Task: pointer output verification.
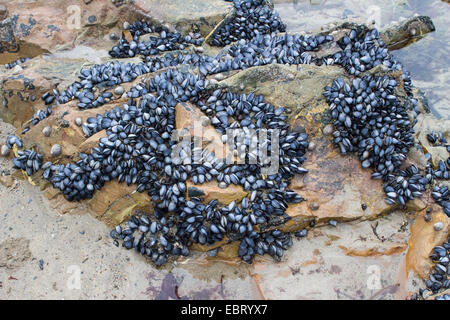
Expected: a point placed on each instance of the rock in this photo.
(328, 129)
(211, 190)
(222, 185)
(119, 90)
(17, 69)
(423, 239)
(438, 226)
(47, 131)
(40, 27)
(395, 35)
(199, 49)
(205, 121)
(114, 36)
(314, 206)
(56, 150)
(426, 123)
(7, 181)
(335, 184)
(4, 151)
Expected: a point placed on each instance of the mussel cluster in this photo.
(28, 160)
(272, 242)
(162, 40)
(16, 62)
(139, 147)
(439, 278)
(267, 49)
(371, 121)
(440, 193)
(363, 50)
(138, 150)
(251, 18)
(437, 139)
(110, 74)
(38, 117)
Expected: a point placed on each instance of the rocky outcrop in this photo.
(326, 187)
(35, 27)
(331, 177)
(335, 188)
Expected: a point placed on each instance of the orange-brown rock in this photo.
(46, 26)
(423, 239)
(7, 181)
(189, 117)
(210, 191)
(64, 132)
(116, 202)
(329, 182)
(227, 250)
